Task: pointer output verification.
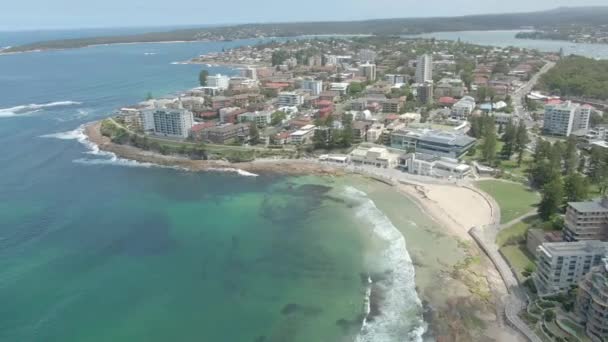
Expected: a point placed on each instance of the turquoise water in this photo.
(96, 248)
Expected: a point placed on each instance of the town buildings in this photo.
(463, 108)
(260, 119)
(169, 122)
(372, 155)
(367, 55)
(368, 71)
(224, 134)
(437, 143)
(592, 302)
(303, 135)
(560, 265)
(290, 99)
(425, 92)
(432, 166)
(314, 87)
(561, 118)
(586, 220)
(424, 69)
(218, 81)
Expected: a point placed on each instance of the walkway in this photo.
(519, 219)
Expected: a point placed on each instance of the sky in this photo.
(57, 14)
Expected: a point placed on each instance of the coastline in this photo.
(473, 282)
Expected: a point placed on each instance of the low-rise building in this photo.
(376, 156)
(560, 265)
(260, 119)
(193, 103)
(464, 107)
(341, 88)
(218, 81)
(303, 135)
(290, 99)
(432, 166)
(225, 133)
(437, 143)
(592, 302)
(313, 86)
(586, 220)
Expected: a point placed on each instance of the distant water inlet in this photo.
(393, 309)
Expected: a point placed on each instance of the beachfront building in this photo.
(424, 69)
(260, 119)
(313, 86)
(592, 302)
(303, 135)
(432, 166)
(437, 143)
(290, 99)
(463, 108)
(586, 220)
(193, 103)
(218, 81)
(368, 70)
(224, 134)
(562, 118)
(375, 156)
(560, 265)
(174, 123)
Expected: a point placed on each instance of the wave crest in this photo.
(401, 310)
(33, 108)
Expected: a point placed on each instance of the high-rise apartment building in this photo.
(424, 69)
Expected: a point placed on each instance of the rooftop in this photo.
(590, 246)
(590, 206)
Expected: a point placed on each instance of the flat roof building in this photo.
(592, 302)
(437, 143)
(169, 122)
(586, 220)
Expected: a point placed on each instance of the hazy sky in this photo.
(32, 14)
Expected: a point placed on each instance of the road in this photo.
(522, 91)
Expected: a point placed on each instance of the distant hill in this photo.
(511, 21)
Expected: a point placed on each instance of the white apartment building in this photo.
(218, 81)
(168, 122)
(302, 135)
(394, 79)
(464, 107)
(376, 156)
(563, 118)
(315, 87)
(424, 69)
(261, 119)
(367, 55)
(429, 165)
(561, 265)
(290, 99)
(586, 220)
(592, 302)
(368, 71)
(193, 103)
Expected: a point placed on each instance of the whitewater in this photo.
(27, 109)
(401, 310)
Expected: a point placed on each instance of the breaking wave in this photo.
(400, 310)
(237, 171)
(33, 108)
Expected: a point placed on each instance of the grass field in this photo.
(518, 258)
(514, 199)
(517, 232)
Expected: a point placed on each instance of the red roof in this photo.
(447, 100)
(201, 126)
(208, 114)
(276, 85)
(392, 117)
(324, 103)
(553, 101)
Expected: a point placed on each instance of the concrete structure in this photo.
(433, 166)
(261, 119)
(366, 55)
(449, 87)
(536, 237)
(376, 156)
(302, 135)
(218, 81)
(250, 73)
(193, 103)
(368, 71)
(290, 99)
(374, 133)
(169, 122)
(592, 302)
(228, 114)
(341, 88)
(424, 69)
(586, 220)
(437, 143)
(425, 92)
(226, 133)
(395, 79)
(463, 108)
(502, 118)
(561, 118)
(560, 265)
(313, 86)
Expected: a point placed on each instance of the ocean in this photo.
(97, 248)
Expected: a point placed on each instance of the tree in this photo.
(202, 77)
(277, 117)
(488, 150)
(521, 140)
(509, 138)
(279, 57)
(576, 187)
(552, 199)
(570, 156)
(355, 88)
(254, 134)
(149, 96)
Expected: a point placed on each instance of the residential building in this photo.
(229, 114)
(250, 73)
(368, 71)
(193, 103)
(463, 108)
(367, 55)
(302, 135)
(219, 81)
(395, 79)
(586, 220)
(329, 95)
(502, 118)
(437, 143)
(449, 87)
(424, 69)
(169, 122)
(561, 118)
(433, 166)
(376, 156)
(290, 99)
(261, 119)
(560, 265)
(341, 88)
(225, 133)
(374, 133)
(592, 302)
(313, 86)
(391, 105)
(425, 92)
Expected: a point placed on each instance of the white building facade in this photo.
(424, 69)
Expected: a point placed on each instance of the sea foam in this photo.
(400, 317)
(33, 108)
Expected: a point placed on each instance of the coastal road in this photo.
(522, 91)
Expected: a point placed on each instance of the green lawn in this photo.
(517, 231)
(518, 258)
(514, 199)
